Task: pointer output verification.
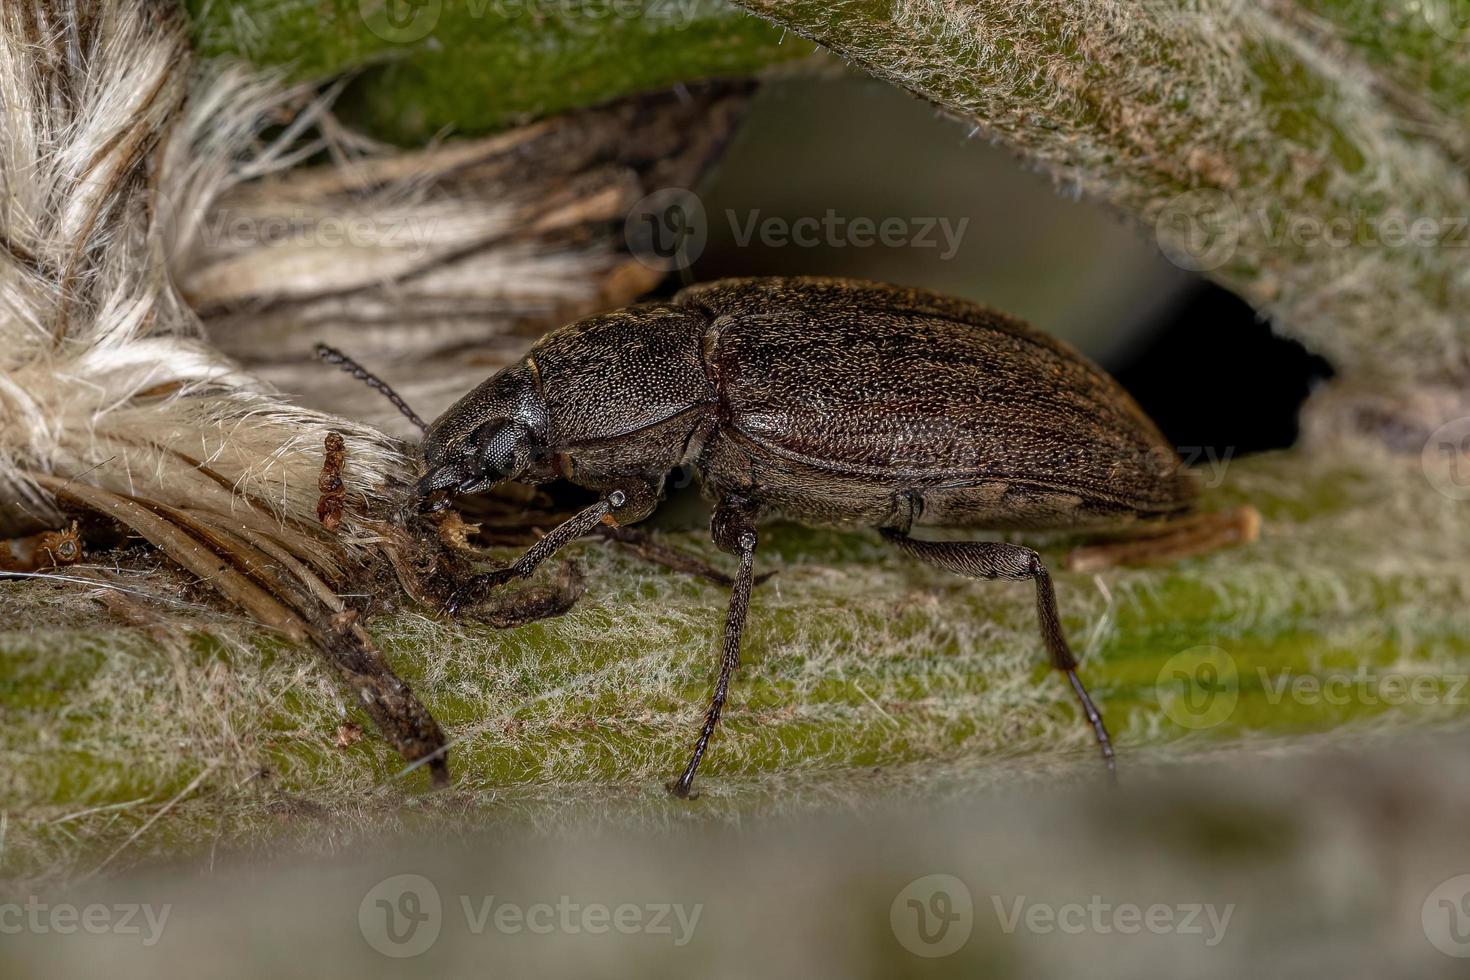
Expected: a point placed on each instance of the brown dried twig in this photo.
(642, 544)
(283, 596)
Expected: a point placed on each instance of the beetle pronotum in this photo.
(828, 401)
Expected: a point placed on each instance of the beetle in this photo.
(828, 401)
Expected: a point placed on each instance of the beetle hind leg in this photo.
(999, 560)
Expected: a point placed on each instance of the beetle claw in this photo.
(432, 505)
(474, 590)
(681, 789)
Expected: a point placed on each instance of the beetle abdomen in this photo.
(926, 391)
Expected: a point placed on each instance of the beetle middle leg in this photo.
(998, 560)
(733, 530)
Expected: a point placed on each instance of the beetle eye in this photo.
(483, 433)
(502, 448)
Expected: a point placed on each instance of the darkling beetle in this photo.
(827, 401)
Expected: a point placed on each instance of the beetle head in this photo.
(487, 437)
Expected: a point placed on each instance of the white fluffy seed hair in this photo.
(105, 376)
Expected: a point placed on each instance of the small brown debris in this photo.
(348, 734)
(455, 532)
(329, 504)
(38, 552)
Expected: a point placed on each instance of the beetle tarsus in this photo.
(473, 591)
(1099, 727)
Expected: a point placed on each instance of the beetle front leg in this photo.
(733, 530)
(998, 560)
(628, 505)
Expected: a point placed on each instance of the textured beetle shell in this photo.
(843, 401)
(832, 401)
(613, 374)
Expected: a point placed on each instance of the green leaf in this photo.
(1348, 616)
(477, 65)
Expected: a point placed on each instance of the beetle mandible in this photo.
(826, 401)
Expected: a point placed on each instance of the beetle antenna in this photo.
(333, 356)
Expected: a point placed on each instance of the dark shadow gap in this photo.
(1214, 375)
